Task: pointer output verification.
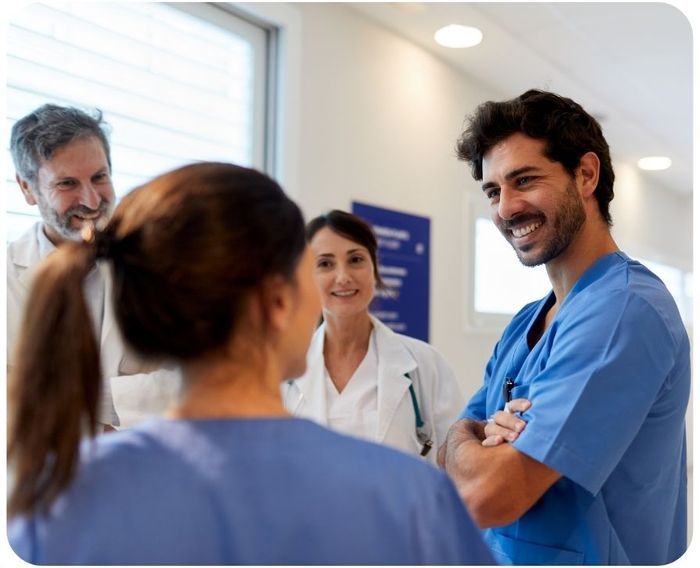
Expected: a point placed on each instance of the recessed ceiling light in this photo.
(456, 36)
(654, 163)
(410, 6)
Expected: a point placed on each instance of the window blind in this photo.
(177, 83)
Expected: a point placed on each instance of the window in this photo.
(498, 285)
(501, 285)
(679, 284)
(177, 83)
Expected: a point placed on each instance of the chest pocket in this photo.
(409, 428)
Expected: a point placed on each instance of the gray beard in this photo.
(61, 223)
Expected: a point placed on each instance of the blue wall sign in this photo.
(404, 265)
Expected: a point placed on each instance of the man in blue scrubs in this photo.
(587, 462)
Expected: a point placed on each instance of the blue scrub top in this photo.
(609, 382)
(250, 491)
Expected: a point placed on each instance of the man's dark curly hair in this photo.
(568, 131)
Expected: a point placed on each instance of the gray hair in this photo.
(36, 137)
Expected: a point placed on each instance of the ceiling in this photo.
(628, 64)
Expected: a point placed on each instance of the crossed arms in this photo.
(497, 483)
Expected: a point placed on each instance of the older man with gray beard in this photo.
(63, 166)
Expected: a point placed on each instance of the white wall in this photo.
(650, 222)
(377, 121)
(380, 119)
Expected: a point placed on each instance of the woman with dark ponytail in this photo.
(210, 272)
(47, 412)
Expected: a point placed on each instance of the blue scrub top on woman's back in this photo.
(609, 383)
(250, 491)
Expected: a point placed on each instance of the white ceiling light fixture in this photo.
(410, 6)
(458, 36)
(654, 163)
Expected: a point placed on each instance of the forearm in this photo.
(463, 460)
(497, 484)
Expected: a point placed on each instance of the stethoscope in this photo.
(423, 433)
(422, 429)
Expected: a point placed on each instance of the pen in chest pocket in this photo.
(508, 386)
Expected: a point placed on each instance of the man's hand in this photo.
(505, 425)
(460, 432)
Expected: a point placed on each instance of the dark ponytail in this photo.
(54, 387)
(185, 250)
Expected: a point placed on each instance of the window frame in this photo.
(475, 207)
(263, 37)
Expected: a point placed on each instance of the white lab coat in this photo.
(439, 397)
(132, 389)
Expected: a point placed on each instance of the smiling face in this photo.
(344, 273)
(535, 203)
(73, 188)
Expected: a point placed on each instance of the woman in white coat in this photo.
(362, 378)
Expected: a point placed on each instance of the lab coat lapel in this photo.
(110, 339)
(25, 275)
(312, 385)
(394, 360)
(25, 255)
